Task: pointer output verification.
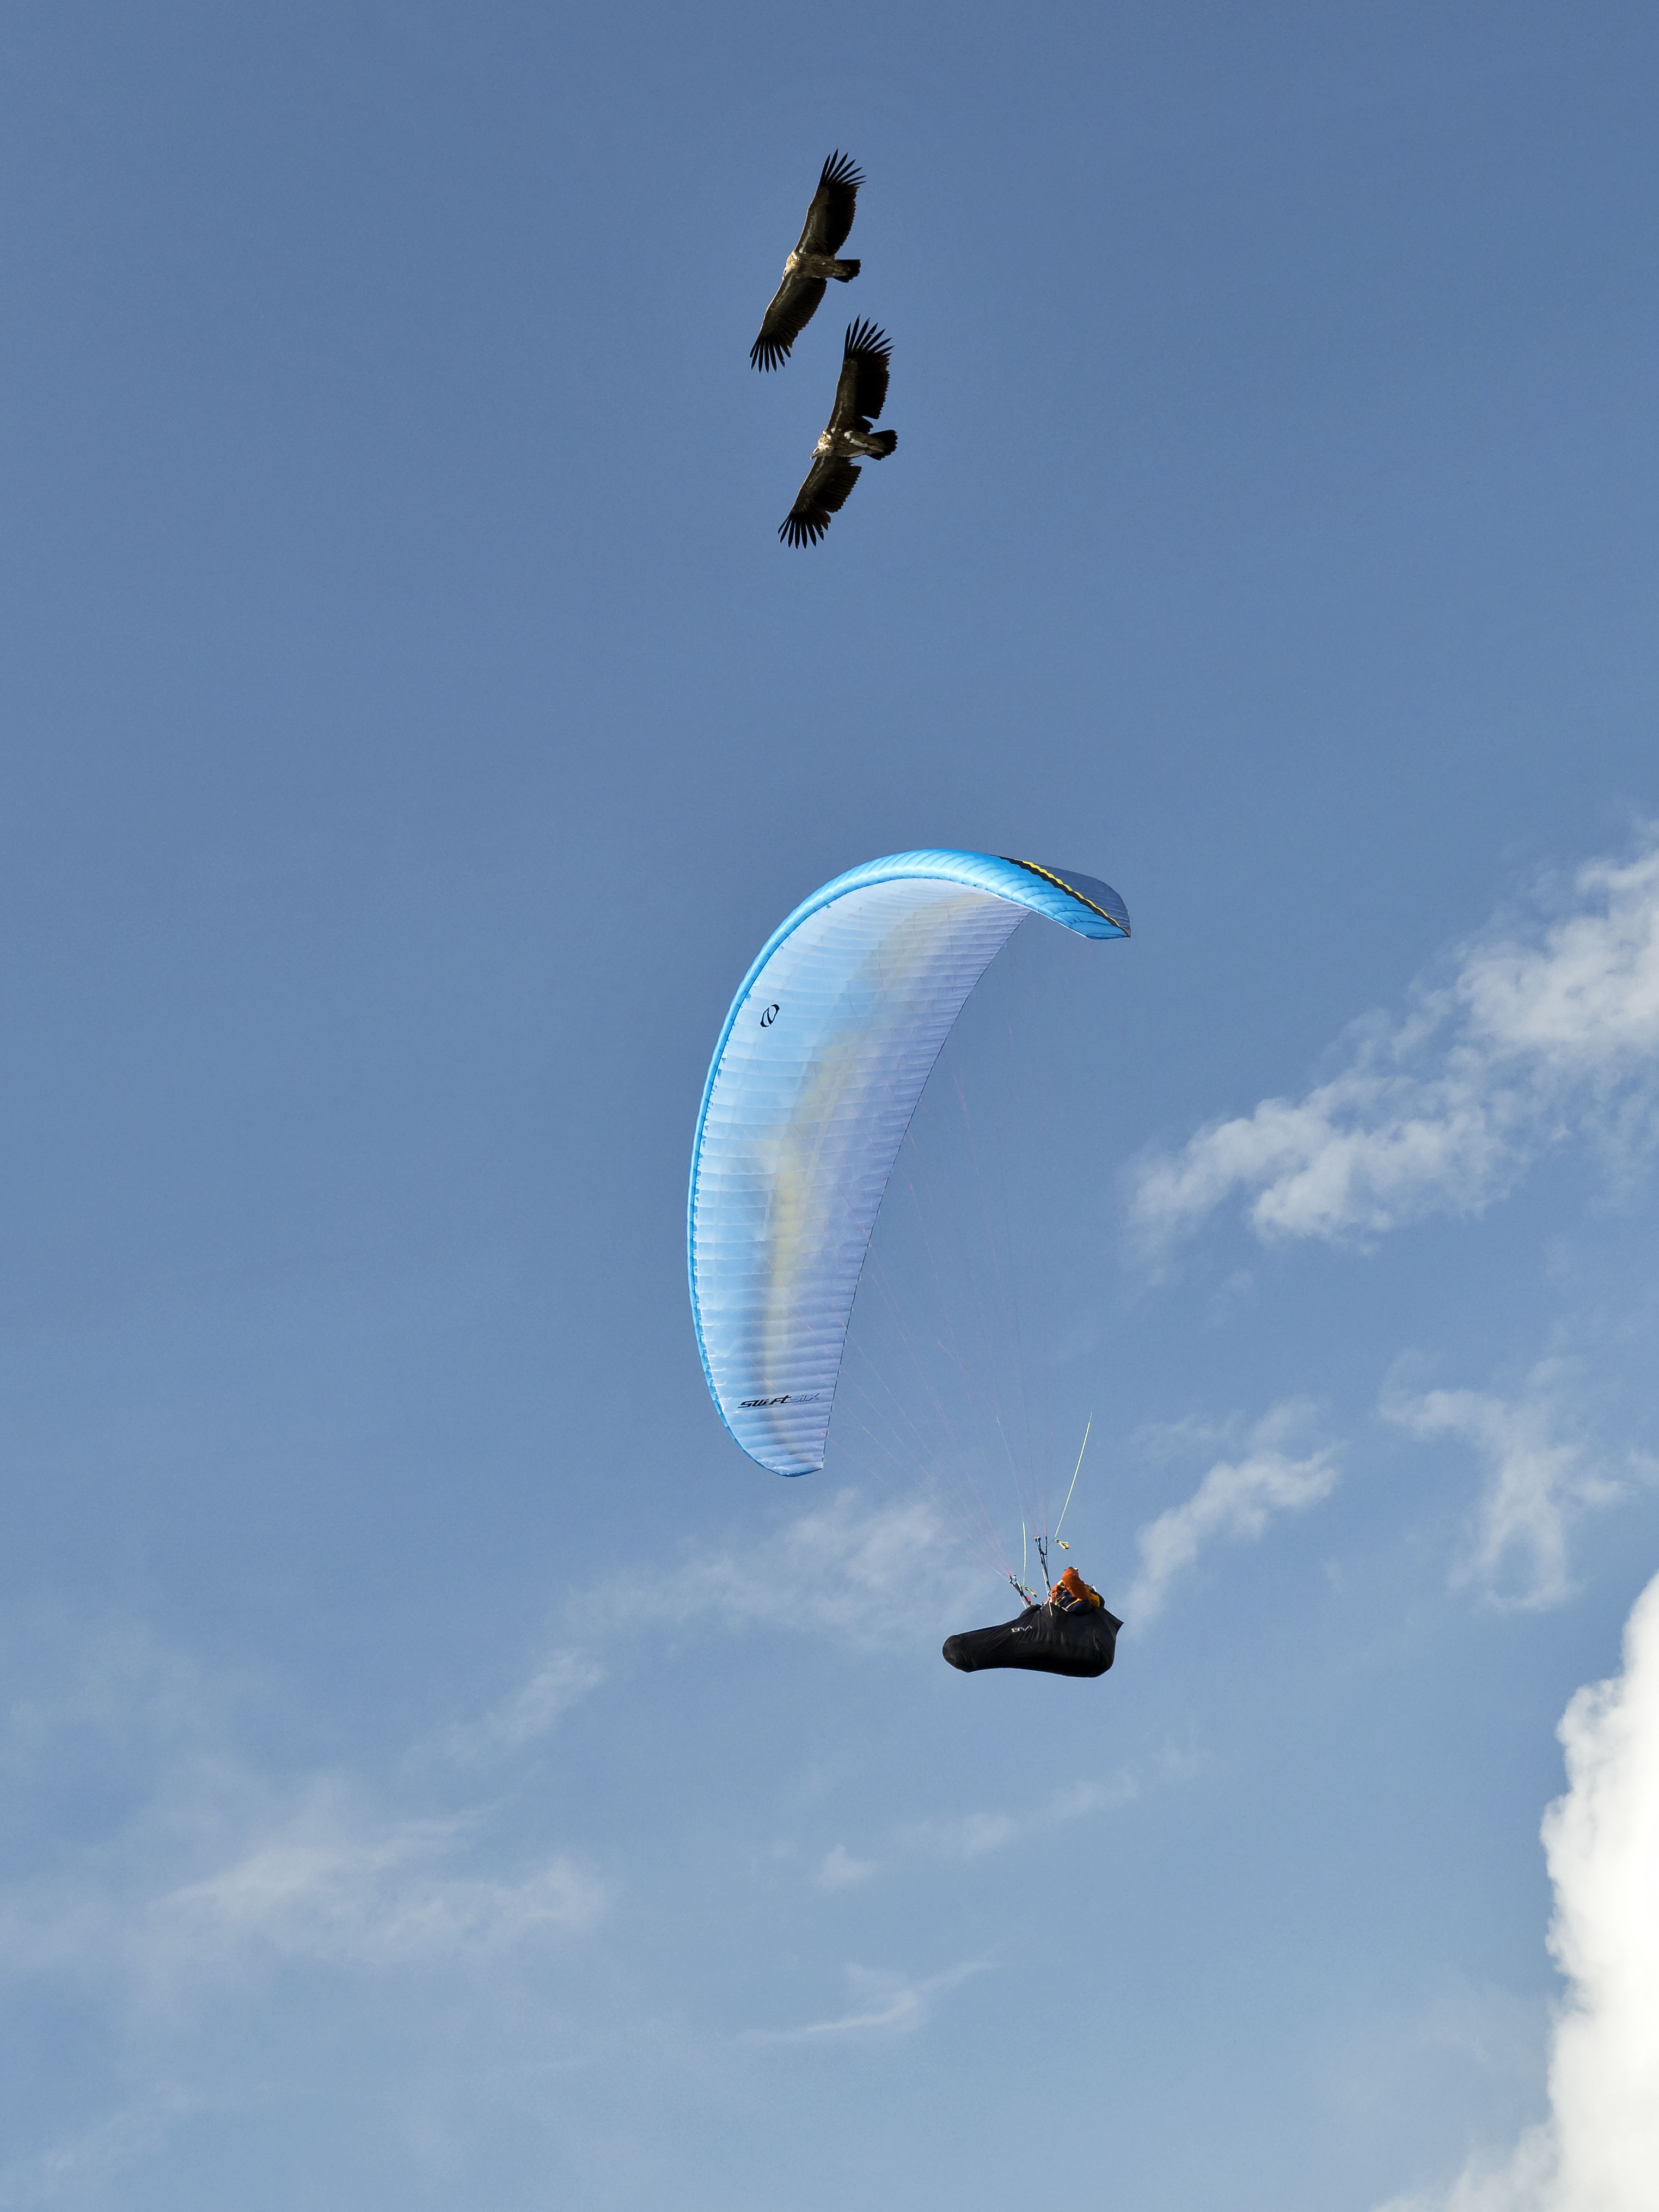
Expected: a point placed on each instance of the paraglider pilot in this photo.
(1071, 1593)
(1070, 1632)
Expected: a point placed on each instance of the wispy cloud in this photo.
(1545, 1030)
(962, 1837)
(965, 1835)
(843, 1568)
(328, 1883)
(78, 2166)
(1540, 1479)
(1598, 2151)
(214, 1864)
(841, 1870)
(1282, 1469)
(561, 1679)
(883, 2004)
(206, 1860)
(327, 1880)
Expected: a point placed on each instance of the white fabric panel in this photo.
(805, 1113)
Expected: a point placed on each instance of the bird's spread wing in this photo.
(827, 482)
(862, 393)
(834, 203)
(794, 306)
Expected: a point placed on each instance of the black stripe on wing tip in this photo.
(841, 169)
(1035, 868)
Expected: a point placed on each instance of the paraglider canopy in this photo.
(817, 1073)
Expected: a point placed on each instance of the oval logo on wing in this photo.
(768, 1017)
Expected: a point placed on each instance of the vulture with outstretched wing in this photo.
(812, 263)
(861, 395)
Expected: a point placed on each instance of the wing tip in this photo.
(802, 529)
(841, 169)
(867, 338)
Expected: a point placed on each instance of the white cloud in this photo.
(1602, 1841)
(965, 1836)
(843, 1567)
(883, 2003)
(326, 1884)
(328, 1881)
(1542, 1033)
(204, 1861)
(1236, 1499)
(841, 1870)
(962, 1838)
(1538, 1481)
(1598, 2150)
(213, 1863)
(560, 1681)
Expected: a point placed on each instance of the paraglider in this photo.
(1043, 1640)
(1069, 1632)
(815, 1078)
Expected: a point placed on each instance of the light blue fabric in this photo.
(817, 1073)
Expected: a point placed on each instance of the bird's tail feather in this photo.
(882, 443)
(844, 271)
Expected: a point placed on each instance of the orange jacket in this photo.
(1070, 1592)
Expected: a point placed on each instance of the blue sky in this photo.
(438, 1770)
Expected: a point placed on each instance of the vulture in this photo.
(812, 263)
(860, 394)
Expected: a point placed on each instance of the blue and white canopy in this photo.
(815, 1079)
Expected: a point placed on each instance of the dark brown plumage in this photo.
(813, 262)
(861, 395)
